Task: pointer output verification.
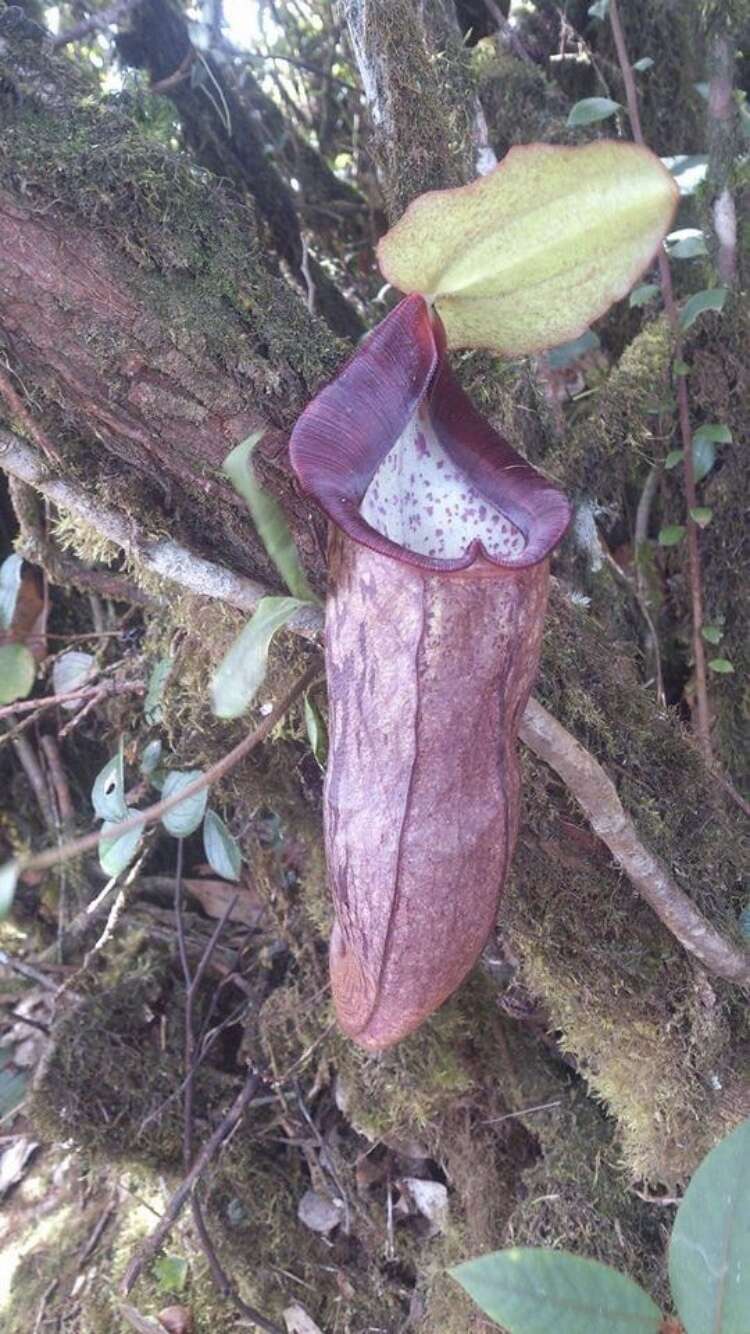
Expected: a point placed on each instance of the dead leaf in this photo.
(297, 1321)
(176, 1319)
(319, 1213)
(29, 624)
(214, 896)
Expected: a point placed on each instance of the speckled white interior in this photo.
(418, 499)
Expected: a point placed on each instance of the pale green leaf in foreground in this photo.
(17, 672)
(531, 1291)
(709, 1253)
(8, 881)
(221, 847)
(643, 294)
(187, 815)
(527, 256)
(10, 582)
(268, 517)
(712, 298)
(70, 672)
(116, 851)
(108, 792)
(591, 109)
(242, 671)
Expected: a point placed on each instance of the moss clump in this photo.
(521, 104)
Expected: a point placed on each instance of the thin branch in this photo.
(97, 22)
(68, 851)
(703, 721)
(17, 408)
(597, 796)
(723, 128)
(165, 558)
(29, 762)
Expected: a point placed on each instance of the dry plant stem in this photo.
(165, 558)
(596, 794)
(30, 764)
(20, 412)
(703, 721)
(53, 856)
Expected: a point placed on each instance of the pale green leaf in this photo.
(722, 666)
(157, 682)
(171, 1272)
(591, 109)
(108, 792)
(674, 457)
(701, 515)
(671, 535)
(687, 243)
(9, 872)
(640, 296)
(533, 1291)
(689, 171)
(10, 582)
(242, 670)
(599, 9)
(643, 64)
(187, 815)
(744, 922)
(150, 757)
(566, 354)
(713, 634)
(712, 298)
(680, 367)
(557, 234)
(709, 1253)
(70, 671)
(116, 851)
(704, 456)
(221, 847)
(17, 672)
(716, 431)
(13, 1085)
(268, 517)
(316, 731)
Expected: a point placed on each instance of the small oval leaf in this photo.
(591, 109)
(116, 851)
(150, 757)
(709, 1253)
(674, 457)
(10, 582)
(712, 634)
(671, 535)
(221, 847)
(532, 1291)
(108, 792)
(711, 299)
(17, 672)
(9, 872)
(316, 731)
(704, 457)
(701, 515)
(722, 666)
(242, 670)
(687, 243)
(640, 296)
(71, 670)
(185, 817)
(643, 64)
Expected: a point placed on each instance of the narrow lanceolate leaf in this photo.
(533, 1291)
(70, 671)
(221, 847)
(242, 671)
(268, 517)
(709, 1254)
(10, 582)
(108, 792)
(185, 817)
(116, 851)
(17, 672)
(591, 109)
(527, 256)
(8, 881)
(712, 298)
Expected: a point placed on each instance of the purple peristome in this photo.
(438, 576)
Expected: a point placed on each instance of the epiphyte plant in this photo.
(440, 538)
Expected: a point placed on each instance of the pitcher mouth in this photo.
(396, 455)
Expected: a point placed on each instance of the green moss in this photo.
(521, 104)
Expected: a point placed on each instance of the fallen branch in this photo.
(597, 796)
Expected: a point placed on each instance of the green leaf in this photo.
(599, 9)
(687, 243)
(680, 367)
(704, 458)
(640, 296)
(12, 1085)
(242, 670)
(671, 535)
(689, 171)
(709, 1253)
(533, 1291)
(565, 354)
(222, 849)
(10, 582)
(108, 792)
(716, 431)
(268, 517)
(316, 732)
(643, 64)
(713, 634)
(171, 1272)
(70, 671)
(185, 817)
(702, 516)
(721, 665)
(557, 235)
(150, 757)
(591, 109)
(17, 672)
(116, 851)
(712, 298)
(157, 682)
(9, 872)
(674, 457)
